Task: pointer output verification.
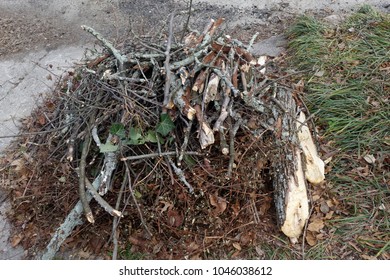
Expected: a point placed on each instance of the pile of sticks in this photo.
(210, 86)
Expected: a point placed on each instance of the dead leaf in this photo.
(167, 206)
(316, 197)
(236, 208)
(41, 119)
(311, 239)
(15, 240)
(370, 159)
(196, 257)
(84, 255)
(265, 206)
(252, 123)
(316, 225)
(367, 257)
(237, 246)
(247, 237)
(329, 215)
(324, 208)
(299, 86)
(236, 254)
(206, 135)
(319, 73)
(174, 218)
(192, 247)
(19, 164)
(219, 203)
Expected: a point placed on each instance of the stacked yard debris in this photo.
(184, 144)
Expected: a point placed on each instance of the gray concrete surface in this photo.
(24, 80)
(297, 5)
(23, 76)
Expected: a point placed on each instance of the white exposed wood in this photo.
(211, 92)
(297, 207)
(314, 166)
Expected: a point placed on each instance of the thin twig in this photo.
(236, 92)
(187, 21)
(135, 200)
(232, 135)
(104, 204)
(121, 58)
(115, 222)
(82, 194)
(280, 78)
(180, 174)
(34, 133)
(167, 86)
(252, 40)
(185, 142)
(158, 155)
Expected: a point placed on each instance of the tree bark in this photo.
(290, 189)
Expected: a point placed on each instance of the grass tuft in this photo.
(348, 86)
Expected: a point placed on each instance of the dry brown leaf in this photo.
(316, 225)
(299, 86)
(196, 257)
(320, 236)
(192, 247)
(367, 257)
(41, 119)
(236, 208)
(329, 215)
(15, 240)
(237, 246)
(316, 197)
(219, 203)
(19, 164)
(265, 205)
(167, 206)
(236, 254)
(174, 218)
(247, 237)
(311, 239)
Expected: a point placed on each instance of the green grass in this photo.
(348, 87)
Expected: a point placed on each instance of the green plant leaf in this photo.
(107, 148)
(166, 125)
(118, 129)
(135, 136)
(151, 136)
(135, 133)
(137, 194)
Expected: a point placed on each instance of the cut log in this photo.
(290, 191)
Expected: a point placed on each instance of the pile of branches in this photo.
(170, 106)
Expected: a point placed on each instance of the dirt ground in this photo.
(47, 26)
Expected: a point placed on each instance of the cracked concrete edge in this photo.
(23, 81)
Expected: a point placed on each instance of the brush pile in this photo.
(172, 137)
